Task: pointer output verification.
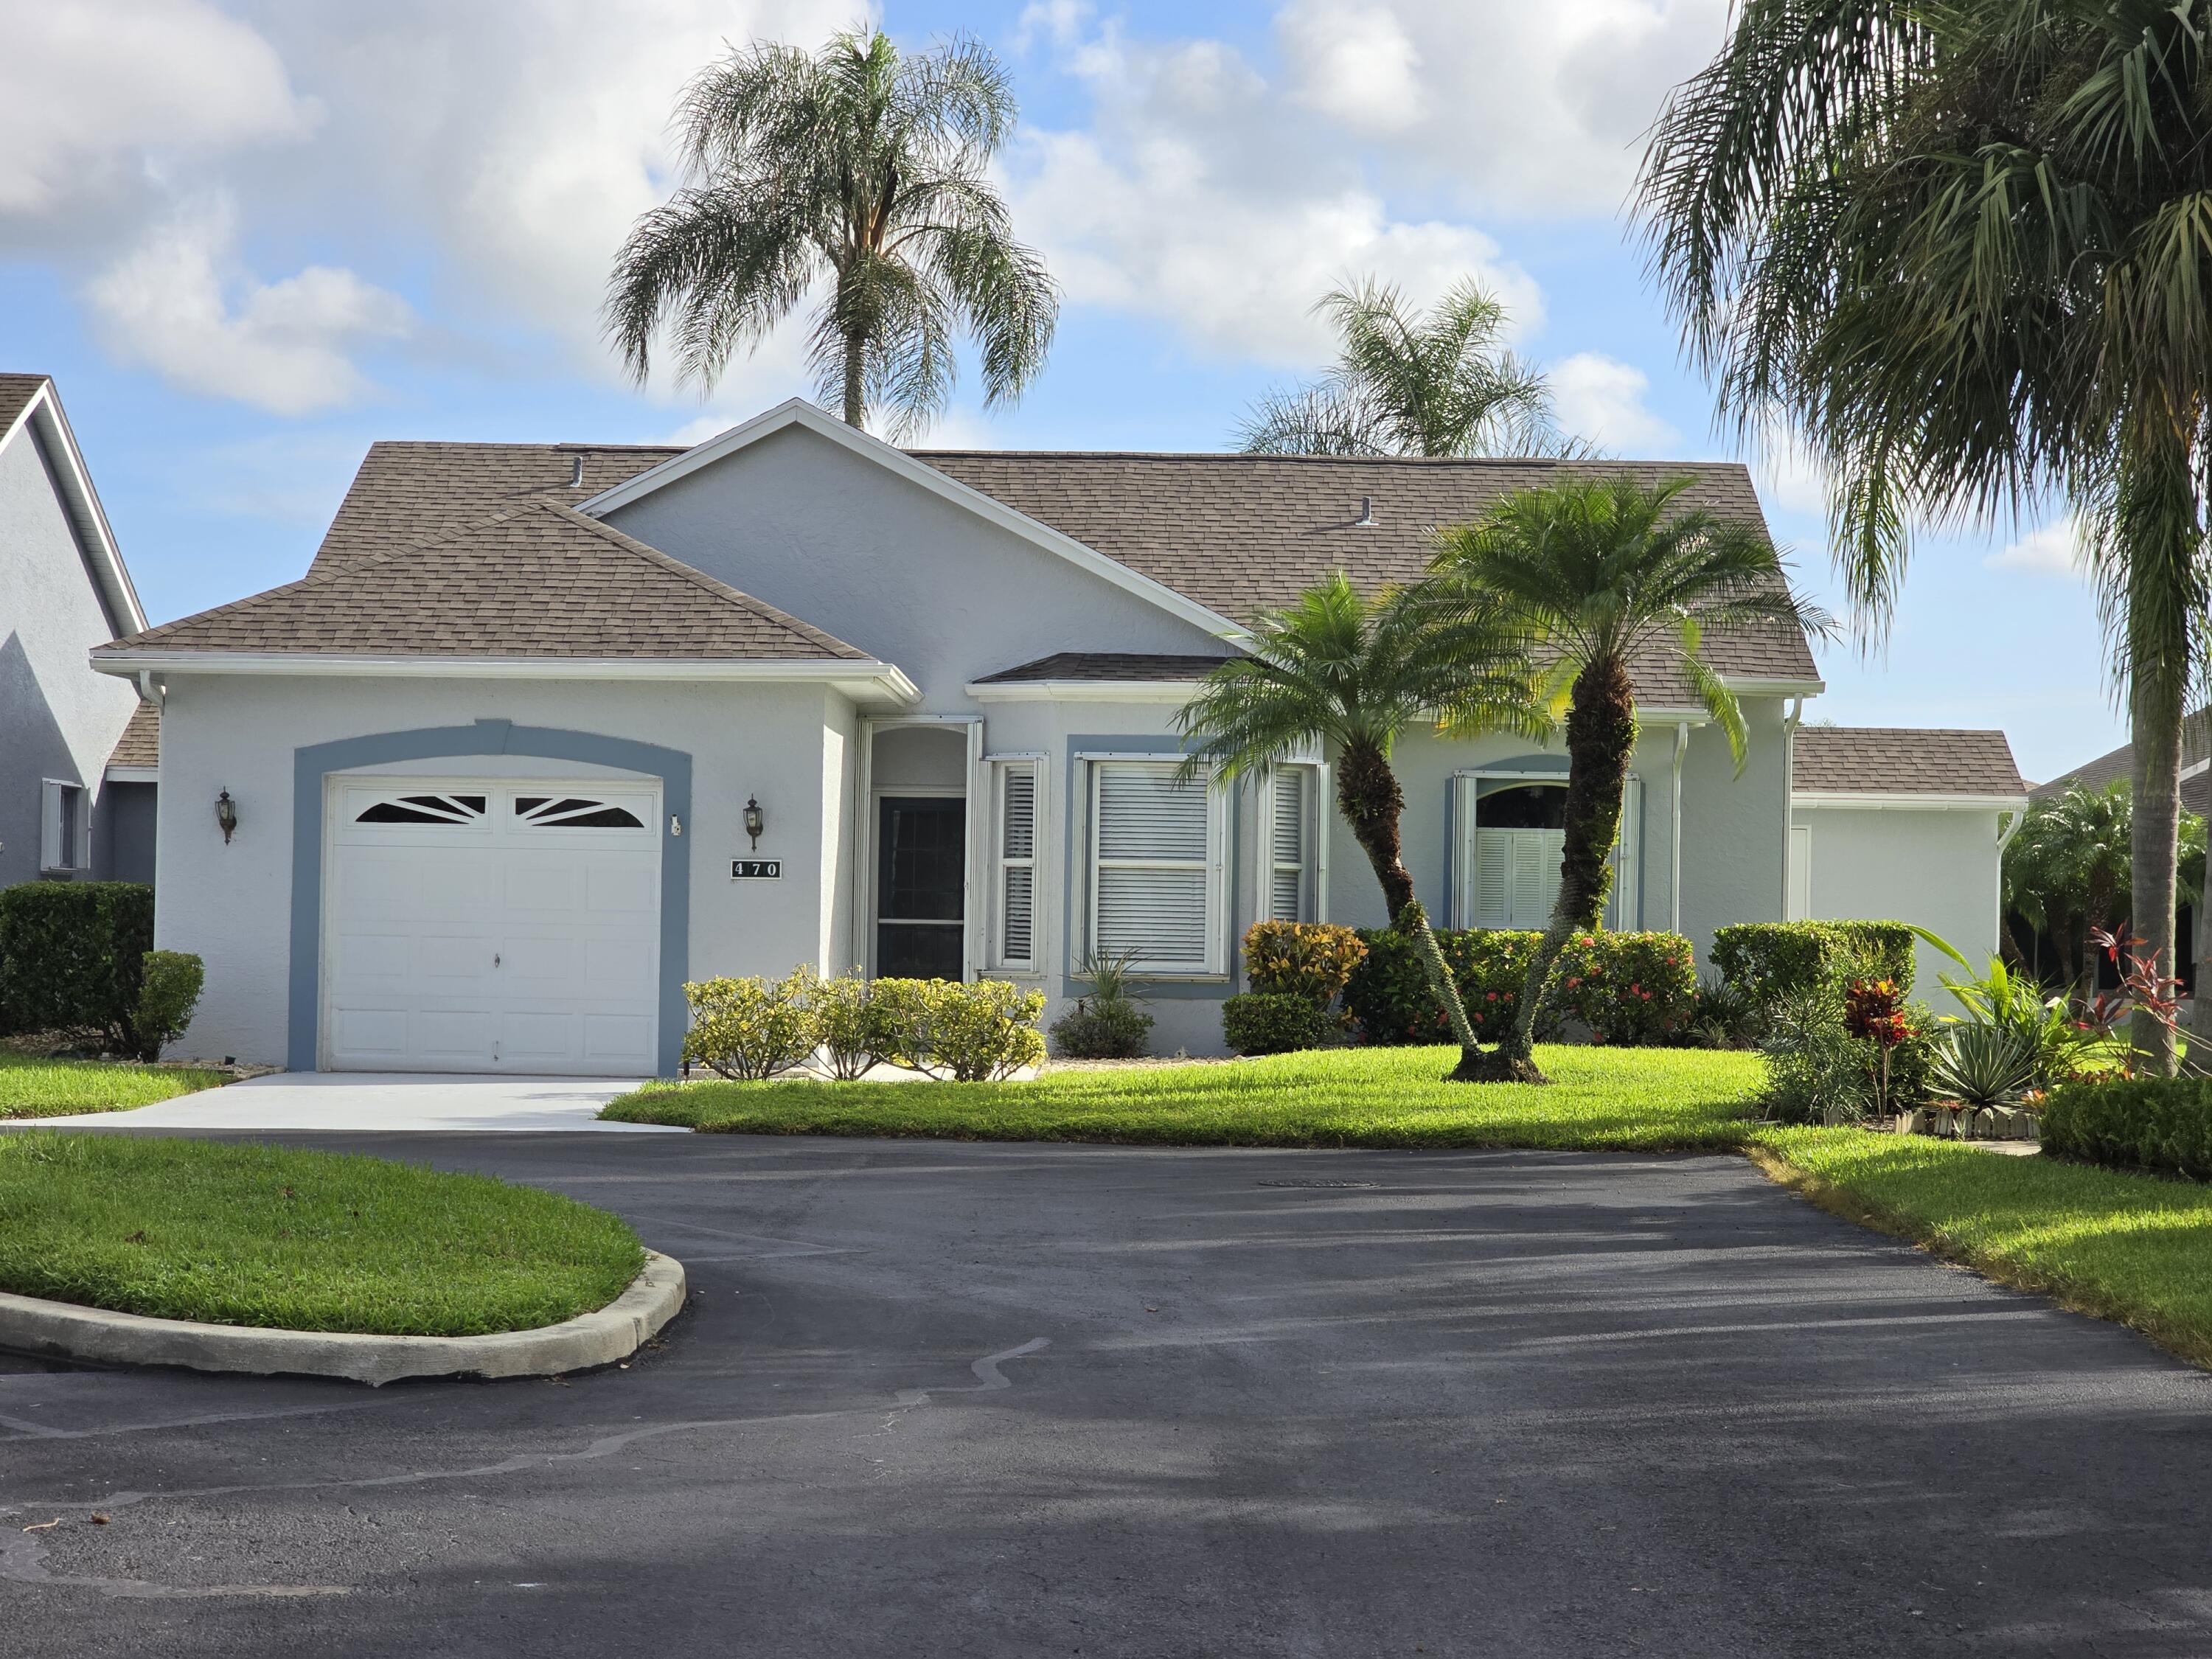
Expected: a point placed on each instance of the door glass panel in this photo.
(921, 859)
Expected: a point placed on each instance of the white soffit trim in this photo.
(1173, 691)
(797, 411)
(134, 775)
(866, 678)
(1754, 686)
(81, 503)
(1904, 800)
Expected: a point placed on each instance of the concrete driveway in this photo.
(936, 1399)
(358, 1103)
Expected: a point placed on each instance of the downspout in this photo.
(1788, 793)
(1674, 841)
(2005, 831)
(150, 688)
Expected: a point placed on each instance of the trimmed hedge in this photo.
(1766, 961)
(1634, 988)
(73, 956)
(1274, 1022)
(2162, 1124)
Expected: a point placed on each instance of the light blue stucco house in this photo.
(76, 774)
(549, 729)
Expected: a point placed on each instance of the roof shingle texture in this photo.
(1236, 533)
(536, 581)
(1106, 667)
(2118, 763)
(1903, 760)
(141, 742)
(17, 391)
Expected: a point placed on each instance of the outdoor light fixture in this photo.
(226, 815)
(755, 820)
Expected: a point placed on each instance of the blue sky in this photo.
(249, 239)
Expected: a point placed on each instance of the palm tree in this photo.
(1959, 247)
(858, 167)
(1355, 674)
(2069, 869)
(1602, 572)
(1405, 383)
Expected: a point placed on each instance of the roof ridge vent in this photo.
(1366, 520)
(576, 471)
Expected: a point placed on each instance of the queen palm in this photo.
(1960, 248)
(860, 170)
(1354, 673)
(1410, 383)
(1604, 573)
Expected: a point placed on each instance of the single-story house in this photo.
(67, 810)
(549, 729)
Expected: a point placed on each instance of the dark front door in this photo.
(921, 857)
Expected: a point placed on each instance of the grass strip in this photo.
(1611, 1099)
(268, 1235)
(57, 1088)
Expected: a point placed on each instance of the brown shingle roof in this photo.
(2107, 768)
(1235, 532)
(141, 742)
(1903, 760)
(538, 580)
(1106, 666)
(17, 391)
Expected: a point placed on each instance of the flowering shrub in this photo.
(1634, 989)
(1310, 959)
(1627, 988)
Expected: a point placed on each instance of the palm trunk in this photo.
(1369, 795)
(2200, 1002)
(2157, 711)
(856, 402)
(1601, 737)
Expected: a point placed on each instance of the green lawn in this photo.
(2130, 1247)
(253, 1235)
(1630, 1100)
(55, 1088)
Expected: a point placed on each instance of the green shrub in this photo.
(749, 1028)
(1765, 961)
(850, 1026)
(1274, 1022)
(1309, 959)
(1818, 1073)
(169, 990)
(1101, 1031)
(72, 956)
(1983, 1065)
(1630, 988)
(2163, 1125)
(960, 1033)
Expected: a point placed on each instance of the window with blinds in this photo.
(1291, 830)
(1156, 868)
(1015, 937)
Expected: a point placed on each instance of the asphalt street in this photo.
(937, 1399)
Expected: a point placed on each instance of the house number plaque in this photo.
(755, 869)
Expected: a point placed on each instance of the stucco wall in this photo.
(124, 832)
(57, 718)
(887, 566)
(1937, 869)
(233, 904)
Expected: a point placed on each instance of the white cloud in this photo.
(180, 304)
(1601, 399)
(2053, 550)
(1199, 196)
(1354, 63)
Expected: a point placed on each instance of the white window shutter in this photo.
(1288, 832)
(1628, 860)
(1156, 868)
(1016, 849)
(52, 855)
(1535, 854)
(1493, 879)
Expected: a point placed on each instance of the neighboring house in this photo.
(64, 813)
(1905, 822)
(492, 760)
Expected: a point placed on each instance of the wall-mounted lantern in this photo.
(755, 820)
(226, 815)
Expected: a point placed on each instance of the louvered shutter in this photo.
(52, 826)
(1017, 858)
(1536, 855)
(1286, 844)
(1628, 860)
(1156, 868)
(1493, 879)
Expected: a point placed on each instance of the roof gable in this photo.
(539, 581)
(31, 410)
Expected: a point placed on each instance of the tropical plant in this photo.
(1109, 1022)
(1960, 248)
(1409, 384)
(1601, 571)
(1983, 1065)
(1339, 668)
(2007, 1000)
(855, 167)
(1309, 959)
(2067, 870)
(1816, 1071)
(1874, 1012)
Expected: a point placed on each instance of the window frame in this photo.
(64, 835)
(1001, 769)
(1623, 903)
(1214, 966)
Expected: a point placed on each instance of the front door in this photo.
(922, 864)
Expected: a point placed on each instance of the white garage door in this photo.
(491, 927)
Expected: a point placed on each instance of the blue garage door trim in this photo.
(312, 764)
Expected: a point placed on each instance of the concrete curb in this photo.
(63, 1330)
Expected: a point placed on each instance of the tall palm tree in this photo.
(857, 166)
(1355, 674)
(1409, 384)
(1602, 572)
(1960, 245)
(2069, 869)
